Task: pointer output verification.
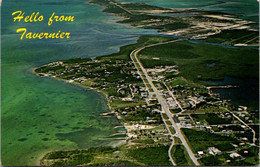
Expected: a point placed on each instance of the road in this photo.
(170, 153)
(245, 125)
(161, 100)
(234, 115)
(170, 92)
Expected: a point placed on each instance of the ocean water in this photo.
(39, 115)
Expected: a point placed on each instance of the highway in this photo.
(161, 100)
(170, 92)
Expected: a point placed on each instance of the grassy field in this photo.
(204, 61)
(183, 81)
(118, 103)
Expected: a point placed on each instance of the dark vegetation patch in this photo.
(180, 157)
(22, 139)
(201, 140)
(45, 139)
(153, 156)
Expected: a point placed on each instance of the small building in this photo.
(241, 144)
(127, 99)
(200, 153)
(244, 138)
(213, 150)
(234, 155)
(243, 126)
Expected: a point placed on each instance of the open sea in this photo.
(39, 115)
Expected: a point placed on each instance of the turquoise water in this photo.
(42, 114)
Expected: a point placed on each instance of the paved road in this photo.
(170, 92)
(245, 125)
(170, 153)
(162, 101)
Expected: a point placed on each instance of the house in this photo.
(234, 155)
(200, 153)
(127, 99)
(213, 150)
(244, 138)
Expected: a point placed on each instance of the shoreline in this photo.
(89, 88)
(205, 23)
(119, 142)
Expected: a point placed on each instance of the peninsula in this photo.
(155, 88)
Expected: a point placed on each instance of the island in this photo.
(157, 90)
